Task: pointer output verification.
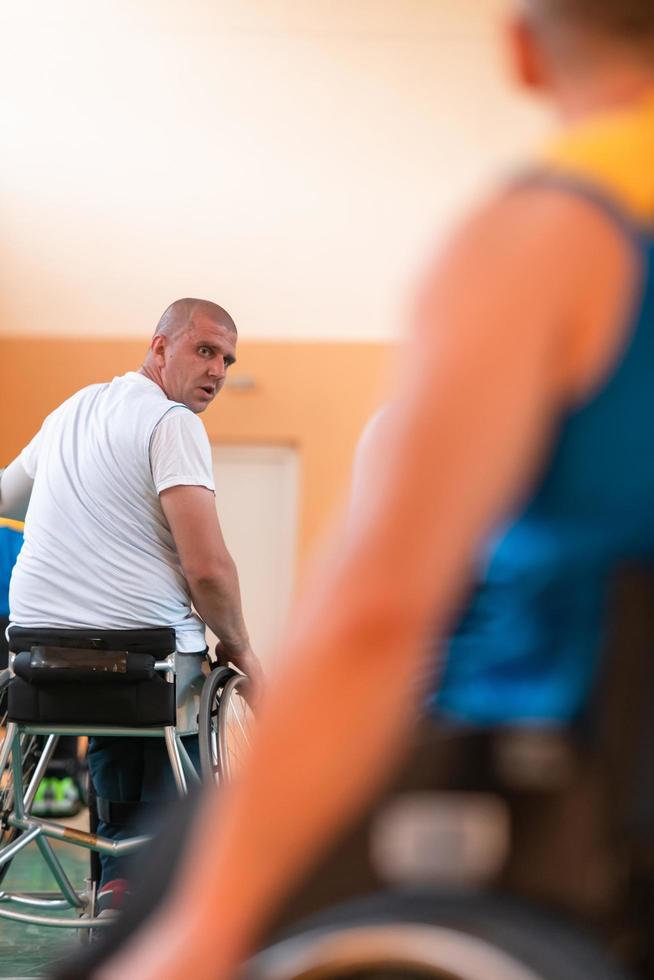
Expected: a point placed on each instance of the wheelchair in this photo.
(414, 935)
(444, 908)
(104, 683)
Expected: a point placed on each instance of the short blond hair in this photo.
(625, 20)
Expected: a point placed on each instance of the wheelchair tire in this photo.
(411, 935)
(31, 751)
(224, 717)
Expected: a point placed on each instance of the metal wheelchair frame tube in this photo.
(92, 842)
(39, 771)
(51, 921)
(48, 854)
(11, 850)
(17, 771)
(79, 730)
(33, 901)
(10, 734)
(60, 876)
(175, 760)
(186, 761)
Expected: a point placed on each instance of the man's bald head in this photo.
(183, 313)
(193, 346)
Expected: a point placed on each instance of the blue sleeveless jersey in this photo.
(11, 541)
(527, 646)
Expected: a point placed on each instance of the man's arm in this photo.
(210, 571)
(15, 491)
(500, 347)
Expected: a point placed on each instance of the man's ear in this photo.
(158, 348)
(526, 54)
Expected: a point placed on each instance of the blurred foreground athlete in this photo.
(520, 451)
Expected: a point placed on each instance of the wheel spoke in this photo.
(240, 725)
(225, 726)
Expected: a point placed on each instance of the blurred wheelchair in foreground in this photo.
(470, 931)
(467, 927)
(413, 935)
(548, 914)
(129, 683)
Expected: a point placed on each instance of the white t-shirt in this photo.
(98, 552)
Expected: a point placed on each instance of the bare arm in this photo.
(490, 366)
(209, 570)
(15, 491)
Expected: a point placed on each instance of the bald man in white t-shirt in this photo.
(121, 529)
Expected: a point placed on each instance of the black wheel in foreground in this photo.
(224, 724)
(407, 936)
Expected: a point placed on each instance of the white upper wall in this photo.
(291, 159)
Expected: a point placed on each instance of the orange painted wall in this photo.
(313, 396)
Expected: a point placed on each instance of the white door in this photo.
(257, 501)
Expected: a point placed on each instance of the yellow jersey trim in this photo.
(614, 152)
(14, 525)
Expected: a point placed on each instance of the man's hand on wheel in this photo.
(245, 661)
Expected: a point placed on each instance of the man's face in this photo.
(194, 363)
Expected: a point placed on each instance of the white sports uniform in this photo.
(98, 552)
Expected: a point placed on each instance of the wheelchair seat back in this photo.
(96, 677)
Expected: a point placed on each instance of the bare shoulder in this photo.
(546, 229)
(540, 260)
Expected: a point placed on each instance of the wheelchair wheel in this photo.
(406, 936)
(31, 751)
(224, 725)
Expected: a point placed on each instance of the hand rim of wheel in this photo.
(455, 954)
(232, 685)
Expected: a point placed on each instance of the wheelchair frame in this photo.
(41, 831)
